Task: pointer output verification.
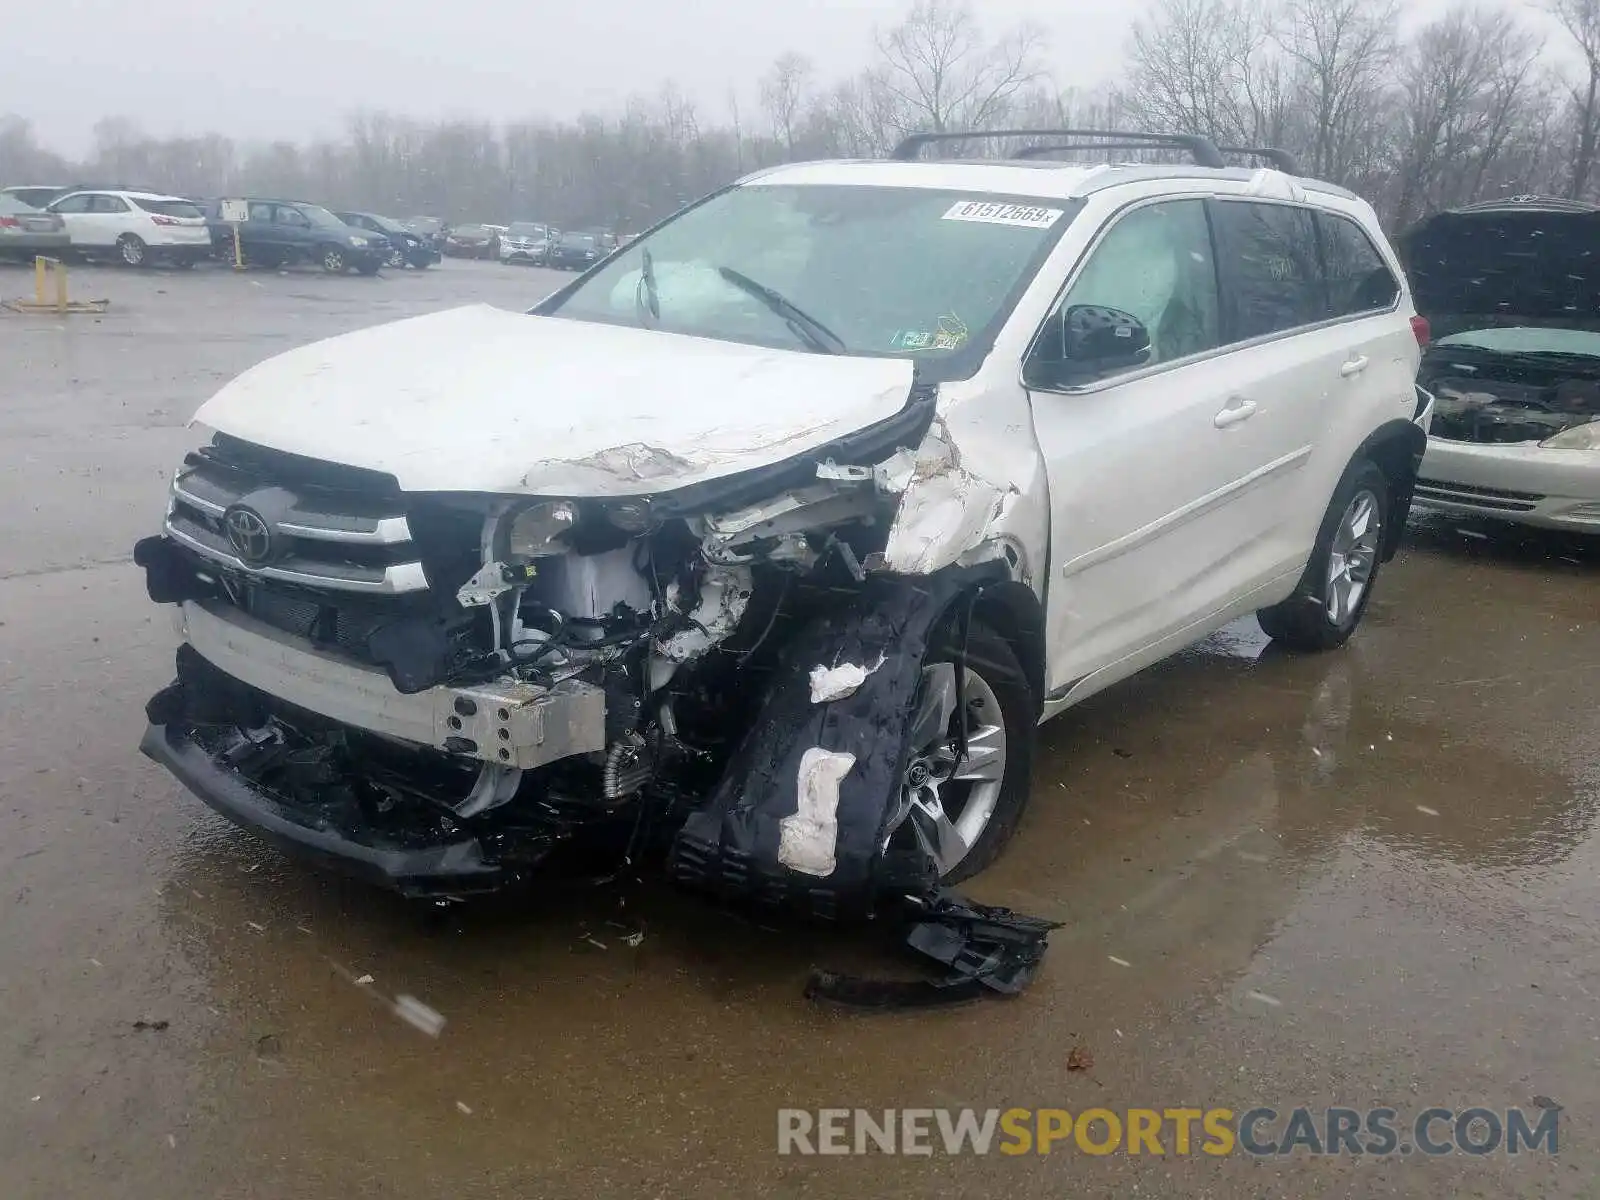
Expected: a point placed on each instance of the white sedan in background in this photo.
(138, 228)
(1515, 367)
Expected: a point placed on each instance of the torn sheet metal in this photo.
(806, 838)
(989, 951)
(945, 511)
(835, 683)
(724, 595)
(729, 846)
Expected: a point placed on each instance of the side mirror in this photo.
(1097, 341)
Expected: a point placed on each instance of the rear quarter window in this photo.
(168, 208)
(1271, 272)
(1359, 280)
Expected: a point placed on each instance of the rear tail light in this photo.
(10, 223)
(163, 219)
(1421, 331)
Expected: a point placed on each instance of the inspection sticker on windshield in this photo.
(1026, 215)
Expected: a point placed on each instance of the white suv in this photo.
(136, 227)
(776, 534)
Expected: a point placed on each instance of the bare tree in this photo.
(1340, 53)
(1581, 20)
(1207, 66)
(942, 73)
(783, 96)
(1464, 86)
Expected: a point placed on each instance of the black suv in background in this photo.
(406, 249)
(577, 251)
(280, 232)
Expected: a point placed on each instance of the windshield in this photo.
(577, 239)
(524, 229)
(319, 216)
(1527, 339)
(470, 231)
(881, 271)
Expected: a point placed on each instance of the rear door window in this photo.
(1359, 280)
(72, 204)
(1271, 272)
(109, 204)
(168, 208)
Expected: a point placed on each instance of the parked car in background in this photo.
(526, 242)
(136, 228)
(35, 195)
(472, 241)
(576, 251)
(1514, 364)
(25, 231)
(406, 249)
(280, 232)
(430, 229)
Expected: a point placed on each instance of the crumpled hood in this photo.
(481, 399)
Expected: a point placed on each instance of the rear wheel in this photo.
(962, 808)
(132, 250)
(333, 260)
(1332, 595)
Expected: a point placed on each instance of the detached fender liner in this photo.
(453, 868)
(729, 846)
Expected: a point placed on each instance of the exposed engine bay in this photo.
(1490, 396)
(481, 680)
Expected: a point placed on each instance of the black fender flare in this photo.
(1397, 448)
(729, 845)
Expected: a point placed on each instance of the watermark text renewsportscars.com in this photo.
(1259, 1132)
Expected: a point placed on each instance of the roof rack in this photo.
(1281, 159)
(1202, 149)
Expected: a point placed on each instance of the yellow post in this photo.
(61, 287)
(38, 279)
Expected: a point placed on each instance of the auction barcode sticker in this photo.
(1026, 215)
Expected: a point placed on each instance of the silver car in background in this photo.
(1515, 361)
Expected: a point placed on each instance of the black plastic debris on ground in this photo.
(988, 950)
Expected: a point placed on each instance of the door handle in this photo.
(1237, 410)
(1354, 366)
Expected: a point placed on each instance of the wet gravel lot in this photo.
(1363, 879)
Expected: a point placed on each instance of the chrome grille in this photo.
(352, 538)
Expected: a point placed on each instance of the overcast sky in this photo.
(295, 68)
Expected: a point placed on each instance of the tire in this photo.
(334, 261)
(132, 250)
(1325, 609)
(183, 263)
(368, 268)
(994, 680)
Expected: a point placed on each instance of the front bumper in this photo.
(460, 867)
(1521, 482)
(505, 724)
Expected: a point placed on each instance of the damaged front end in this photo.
(436, 692)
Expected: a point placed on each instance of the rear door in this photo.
(1156, 472)
(112, 217)
(74, 213)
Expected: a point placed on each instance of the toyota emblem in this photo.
(248, 534)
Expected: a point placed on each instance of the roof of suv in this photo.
(1043, 178)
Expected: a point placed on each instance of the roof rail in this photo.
(1281, 159)
(1202, 149)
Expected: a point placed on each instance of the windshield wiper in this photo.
(646, 299)
(807, 328)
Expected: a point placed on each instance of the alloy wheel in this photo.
(948, 797)
(1352, 556)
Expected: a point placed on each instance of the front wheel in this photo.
(1332, 595)
(132, 250)
(961, 807)
(333, 260)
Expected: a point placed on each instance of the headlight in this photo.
(1579, 437)
(536, 530)
(357, 241)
